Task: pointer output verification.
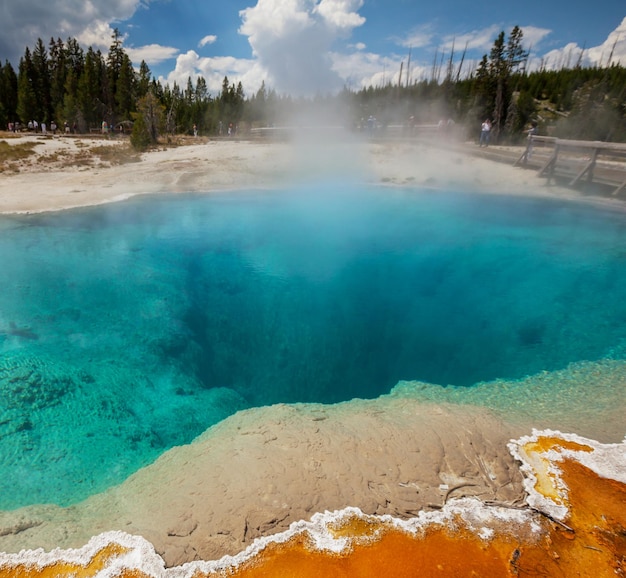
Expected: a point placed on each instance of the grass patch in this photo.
(91, 156)
(12, 153)
(65, 160)
(115, 155)
(23, 154)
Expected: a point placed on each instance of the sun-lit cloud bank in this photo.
(292, 45)
(571, 524)
(301, 47)
(292, 40)
(611, 51)
(214, 68)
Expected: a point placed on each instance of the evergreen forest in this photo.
(83, 88)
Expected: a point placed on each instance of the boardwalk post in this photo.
(524, 158)
(550, 165)
(599, 163)
(588, 168)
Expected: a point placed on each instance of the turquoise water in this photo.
(130, 328)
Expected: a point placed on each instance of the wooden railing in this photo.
(577, 161)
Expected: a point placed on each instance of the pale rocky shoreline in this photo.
(260, 470)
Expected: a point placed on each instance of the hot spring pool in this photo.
(129, 328)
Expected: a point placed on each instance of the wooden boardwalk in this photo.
(593, 166)
(578, 163)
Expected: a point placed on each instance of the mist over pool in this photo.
(130, 328)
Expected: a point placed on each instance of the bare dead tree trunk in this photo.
(458, 72)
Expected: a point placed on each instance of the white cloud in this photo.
(363, 69)
(24, 21)
(214, 69)
(275, 18)
(533, 36)
(97, 35)
(418, 37)
(292, 40)
(476, 40)
(210, 39)
(565, 57)
(151, 53)
(341, 13)
(613, 49)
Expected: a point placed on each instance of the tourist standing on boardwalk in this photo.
(485, 131)
(534, 130)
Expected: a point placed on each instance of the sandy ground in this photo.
(262, 469)
(61, 173)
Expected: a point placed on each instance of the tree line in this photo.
(586, 103)
(86, 88)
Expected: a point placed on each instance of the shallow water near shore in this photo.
(129, 328)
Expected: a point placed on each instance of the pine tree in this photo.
(143, 79)
(125, 90)
(91, 110)
(75, 65)
(8, 94)
(147, 122)
(495, 74)
(26, 97)
(202, 104)
(516, 55)
(498, 71)
(483, 90)
(118, 86)
(58, 69)
(41, 83)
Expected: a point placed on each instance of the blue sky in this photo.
(308, 46)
